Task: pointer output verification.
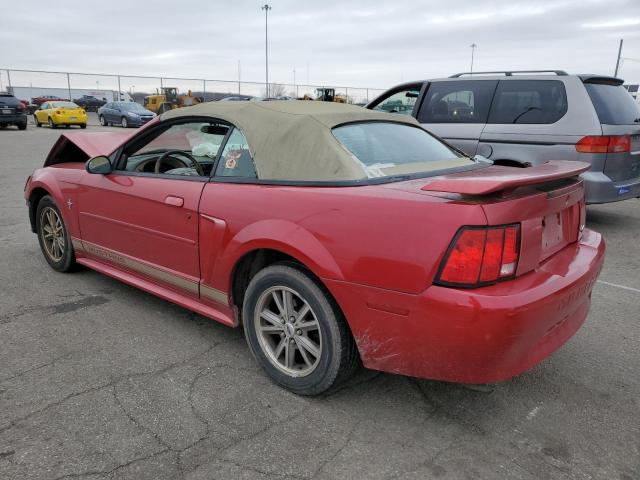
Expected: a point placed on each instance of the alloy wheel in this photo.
(288, 331)
(52, 232)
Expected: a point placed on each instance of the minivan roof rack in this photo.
(509, 73)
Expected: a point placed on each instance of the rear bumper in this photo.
(599, 188)
(13, 119)
(483, 335)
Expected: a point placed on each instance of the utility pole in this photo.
(618, 60)
(266, 9)
(473, 49)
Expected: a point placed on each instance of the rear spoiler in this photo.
(601, 80)
(496, 178)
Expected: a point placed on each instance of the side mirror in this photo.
(100, 165)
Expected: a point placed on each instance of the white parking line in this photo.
(623, 287)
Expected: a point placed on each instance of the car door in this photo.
(41, 114)
(457, 110)
(108, 112)
(147, 222)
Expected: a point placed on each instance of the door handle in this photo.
(175, 201)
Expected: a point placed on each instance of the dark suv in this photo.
(12, 112)
(527, 118)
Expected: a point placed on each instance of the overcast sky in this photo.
(353, 43)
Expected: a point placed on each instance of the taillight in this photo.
(480, 256)
(604, 144)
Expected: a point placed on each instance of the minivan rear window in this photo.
(529, 102)
(387, 149)
(614, 105)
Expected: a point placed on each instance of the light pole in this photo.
(266, 9)
(618, 60)
(473, 49)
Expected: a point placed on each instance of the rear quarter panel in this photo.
(370, 235)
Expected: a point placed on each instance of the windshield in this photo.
(615, 106)
(64, 105)
(132, 107)
(386, 149)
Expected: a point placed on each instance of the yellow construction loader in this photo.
(326, 95)
(169, 99)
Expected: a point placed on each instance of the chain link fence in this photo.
(30, 84)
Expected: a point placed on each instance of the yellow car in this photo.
(60, 113)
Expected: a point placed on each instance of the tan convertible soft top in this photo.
(292, 139)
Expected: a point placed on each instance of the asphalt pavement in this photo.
(99, 380)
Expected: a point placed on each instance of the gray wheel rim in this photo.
(52, 233)
(124, 122)
(288, 331)
(102, 122)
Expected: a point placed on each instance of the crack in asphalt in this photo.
(113, 470)
(39, 367)
(111, 383)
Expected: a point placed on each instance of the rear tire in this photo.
(22, 126)
(307, 353)
(83, 125)
(124, 122)
(53, 236)
(38, 124)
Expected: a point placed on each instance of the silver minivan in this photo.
(527, 118)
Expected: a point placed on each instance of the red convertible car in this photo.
(333, 235)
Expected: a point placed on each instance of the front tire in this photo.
(51, 124)
(53, 236)
(102, 121)
(296, 331)
(38, 124)
(124, 122)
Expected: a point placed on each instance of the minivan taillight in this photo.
(480, 256)
(604, 144)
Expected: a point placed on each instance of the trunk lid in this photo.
(546, 200)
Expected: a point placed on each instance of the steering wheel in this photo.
(172, 153)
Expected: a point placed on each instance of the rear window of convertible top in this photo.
(388, 149)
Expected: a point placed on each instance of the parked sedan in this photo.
(331, 234)
(47, 98)
(56, 114)
(125, 114)
(89, 102)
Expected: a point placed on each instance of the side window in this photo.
(529, 101)
(236, 160)
(466, 101)
(186, 149)
(401, 102)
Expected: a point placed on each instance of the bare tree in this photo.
(277, 90)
